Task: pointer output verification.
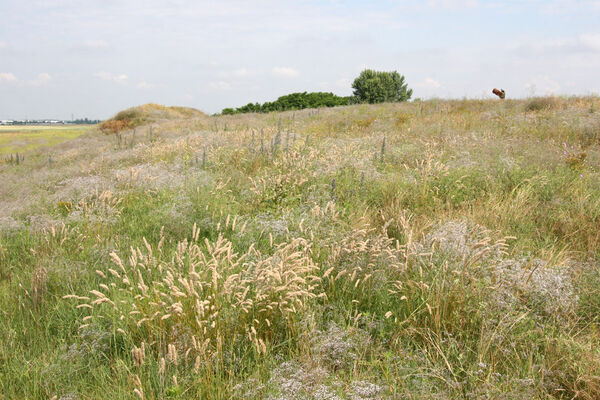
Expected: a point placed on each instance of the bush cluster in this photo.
(293, 101)
(369, 87)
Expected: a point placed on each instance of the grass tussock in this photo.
(542, 104)
(436, 249)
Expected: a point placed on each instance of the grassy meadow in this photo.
(19, 139)
(422, 250)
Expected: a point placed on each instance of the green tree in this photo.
(228, 111)
(379, 86)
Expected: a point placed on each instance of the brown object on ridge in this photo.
(500, 93)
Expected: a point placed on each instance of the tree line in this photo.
(369, 87)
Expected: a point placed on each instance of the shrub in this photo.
(293, 101)
(541, 103)
(378, 87)
(114, 126)
(228, 111)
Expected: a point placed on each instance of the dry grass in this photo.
(439, 249)
(146, 114)
(542, 104)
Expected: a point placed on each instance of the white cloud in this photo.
(432, 83)
(343, 83)
(453, 4)
(585, 43)
(107, 76)
(562, 7)
(2, 45)
(145, 85)
(8, 77)
(241, 73)
(590, 41)
(286, 72)
(41, 80)
(220, 85)
(542, 85)
(237, 73)
(428, 83)
(95, 45)
(92, 48)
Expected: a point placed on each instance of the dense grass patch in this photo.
(439, 249)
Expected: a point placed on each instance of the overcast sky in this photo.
(94, 58)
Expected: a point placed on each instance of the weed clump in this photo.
(542, 104)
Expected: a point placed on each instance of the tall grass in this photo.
(439, 249)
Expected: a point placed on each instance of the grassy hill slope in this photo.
(147, 114)
(438, 249)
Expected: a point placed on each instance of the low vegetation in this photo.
(145, 114)
(21, 138)
(435, 249)
(542, 103)
(369, 87)
(293, 101)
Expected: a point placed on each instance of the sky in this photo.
(92, 58)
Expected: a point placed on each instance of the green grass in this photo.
(463, 262)
(19, 139)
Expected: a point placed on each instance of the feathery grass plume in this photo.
(138, 354)
(139, 391)
(256, 288)
(38, 286)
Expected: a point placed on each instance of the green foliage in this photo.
(310, 267)
(370, 87)
(293, 101)
(379, 87)
(228, 111)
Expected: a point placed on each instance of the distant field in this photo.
(15, 139)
